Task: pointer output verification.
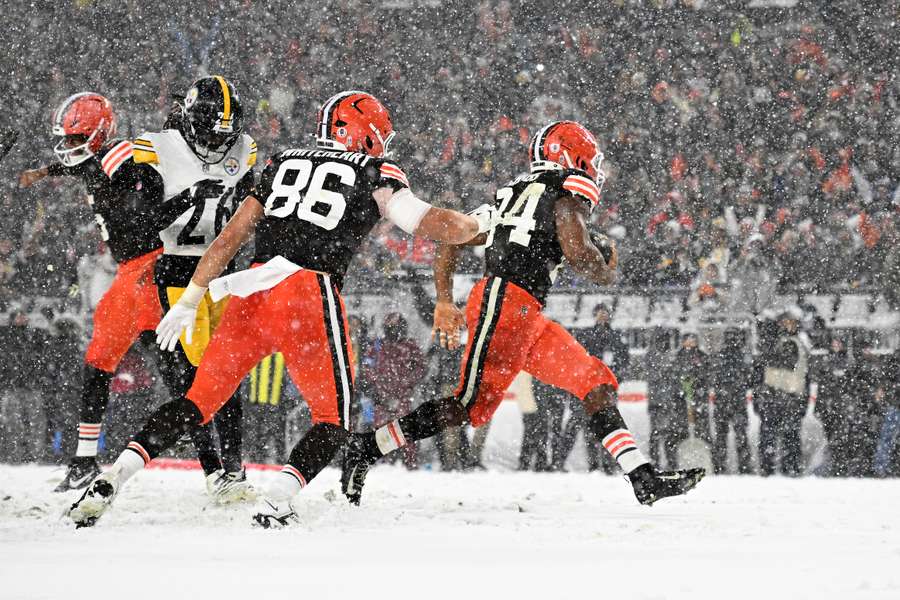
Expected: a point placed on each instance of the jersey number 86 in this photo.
(297, 187)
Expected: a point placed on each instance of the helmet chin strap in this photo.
(568, 159)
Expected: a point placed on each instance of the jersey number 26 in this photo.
(297, 187)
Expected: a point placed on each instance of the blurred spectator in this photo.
(834, 407)
(889, 396)
(25, 425)
(606, 344)
(731, 378)
(692, 370)
(782, 399)
(668, 422)
(397, 367)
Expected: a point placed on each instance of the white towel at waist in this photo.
(249, 281)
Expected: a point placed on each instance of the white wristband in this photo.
(192, 295)
(405, 210)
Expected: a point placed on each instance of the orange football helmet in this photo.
(569, 145)
(85, 121)
(355, 121)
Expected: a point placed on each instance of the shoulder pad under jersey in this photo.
(143, 149)
(390, 170)
(114, 155)
(580, 185)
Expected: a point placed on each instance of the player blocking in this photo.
(541, 220)
(310, 212)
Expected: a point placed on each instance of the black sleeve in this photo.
(60, 170)
(245, 187)
(139, 188)
(264, 187)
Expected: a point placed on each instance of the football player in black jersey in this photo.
(541, 220)
(311, 211)
(129, 211)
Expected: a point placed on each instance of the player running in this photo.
(127, 199)
(541, 218)
(311, 211)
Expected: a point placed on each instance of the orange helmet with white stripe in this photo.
(355, 121)
(85, 121)
(568, 145)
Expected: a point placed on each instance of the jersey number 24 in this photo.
(297, 187)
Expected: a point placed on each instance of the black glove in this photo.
(603, 245)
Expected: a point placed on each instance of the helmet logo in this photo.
(342, 132)
(554, 147)
(191, 97)
(232, 165)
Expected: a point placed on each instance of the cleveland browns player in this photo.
(540, 221)
(126, 199)
(310, 212)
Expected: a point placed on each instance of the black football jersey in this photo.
(319, 206)
(125, 199)
(523, 247)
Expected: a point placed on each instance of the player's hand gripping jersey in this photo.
(523, 247)
(319, 206)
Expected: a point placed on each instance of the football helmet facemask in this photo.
(355, 121)
(85, 122)
(569, 145)
(213, 118)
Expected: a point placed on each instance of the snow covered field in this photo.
(482, 535)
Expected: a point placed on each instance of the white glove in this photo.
(180, 317)
(485, 215)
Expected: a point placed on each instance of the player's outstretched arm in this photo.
(416, 216)
(579, 250)
(235, 234)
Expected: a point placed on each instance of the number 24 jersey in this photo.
(523, 246)
(319, 206)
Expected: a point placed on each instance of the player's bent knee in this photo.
(600, 398)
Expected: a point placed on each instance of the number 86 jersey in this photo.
(319, 206)
(523, 246)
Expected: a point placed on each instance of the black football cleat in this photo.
(651, 485)
(354, 469)
(81, 471)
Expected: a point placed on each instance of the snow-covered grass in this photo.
(431, 535)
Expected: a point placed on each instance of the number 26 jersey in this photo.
(523, 246)
(319, 206)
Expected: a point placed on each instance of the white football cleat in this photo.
(96, 499)
(230, 487)
(274, 514)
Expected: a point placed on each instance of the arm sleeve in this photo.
(263, 188)
(582, 187)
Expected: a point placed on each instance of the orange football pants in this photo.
(303, 317)
(129, 306)
(508, 333)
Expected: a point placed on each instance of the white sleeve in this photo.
(402, 208)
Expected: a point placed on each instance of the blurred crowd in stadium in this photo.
(749, 151)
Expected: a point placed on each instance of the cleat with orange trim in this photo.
(96, 499)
